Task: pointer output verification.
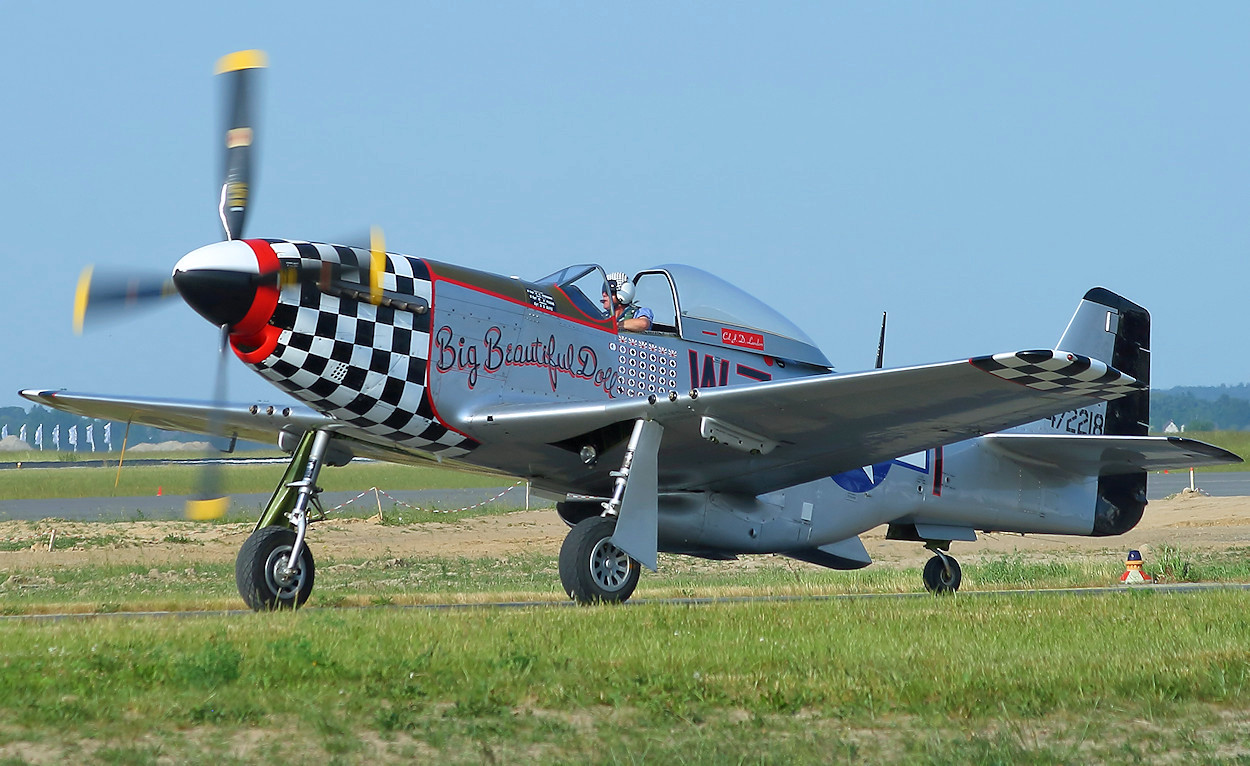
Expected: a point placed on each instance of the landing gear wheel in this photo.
(936, 577)
(260, 571)
(592, 569)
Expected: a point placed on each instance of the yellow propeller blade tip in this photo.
(207, 510)
(377, 263)
(233, 62)
(80, 298)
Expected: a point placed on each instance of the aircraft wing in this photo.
(803, 429)
(1109, 455)
(258, 423)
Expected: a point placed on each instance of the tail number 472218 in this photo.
(1080, 421)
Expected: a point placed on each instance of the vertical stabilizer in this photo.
(1112, 328)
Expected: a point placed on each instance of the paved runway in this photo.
(1229, 484)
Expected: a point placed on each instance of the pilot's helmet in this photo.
(621, 287)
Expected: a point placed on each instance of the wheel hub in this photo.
(285, 582)
(609, 565)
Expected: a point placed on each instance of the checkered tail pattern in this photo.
(1059, 371)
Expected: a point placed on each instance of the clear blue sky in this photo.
(970, 168)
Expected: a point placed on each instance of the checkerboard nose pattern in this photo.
(366, 365)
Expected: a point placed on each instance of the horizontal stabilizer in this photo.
(1110, 455)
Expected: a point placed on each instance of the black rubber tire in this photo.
(936, 580)
(592, 569)
(256, 574)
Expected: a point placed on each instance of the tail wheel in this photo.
(261, 570)
(592, 569)
(942, 575)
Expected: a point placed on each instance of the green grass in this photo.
(99, 481)
(1133, 677)
(1140, 676)
(185, 585)
(1136, 676)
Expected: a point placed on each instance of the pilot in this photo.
(630, 317)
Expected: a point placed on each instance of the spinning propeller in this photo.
(210, 500)
(220, 282)
(102, 294)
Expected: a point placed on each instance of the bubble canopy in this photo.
(707, 296)
(696, 305)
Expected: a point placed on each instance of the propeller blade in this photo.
(367, 275)
(100, 294)
(240, 73)
(377, 263)
(210, 501)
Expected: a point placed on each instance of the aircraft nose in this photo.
(219, 281)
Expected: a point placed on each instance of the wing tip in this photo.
(1056, 371)
(1206, 449)
(38, 394)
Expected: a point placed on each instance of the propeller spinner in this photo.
(234, 284)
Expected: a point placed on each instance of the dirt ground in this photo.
(1188, 522)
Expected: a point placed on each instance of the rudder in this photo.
(1109, 327)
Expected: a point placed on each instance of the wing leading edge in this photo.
(258, 423)
(808, 428)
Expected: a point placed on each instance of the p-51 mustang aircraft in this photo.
(721, 430)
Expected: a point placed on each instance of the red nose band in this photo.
(253, 338)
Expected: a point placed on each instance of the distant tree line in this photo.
(1202, 408)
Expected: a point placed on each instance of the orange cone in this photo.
(1133, 574)
(158, 491)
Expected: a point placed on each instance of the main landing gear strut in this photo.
(275, 568)
(601, 556)
(941, 573)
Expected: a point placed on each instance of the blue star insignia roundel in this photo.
(863, 479)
